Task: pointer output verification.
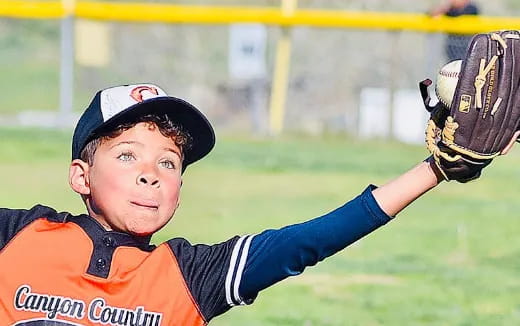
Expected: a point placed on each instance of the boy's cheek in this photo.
(107, 189)
(174, 200)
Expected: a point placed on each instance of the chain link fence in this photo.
(334, 75)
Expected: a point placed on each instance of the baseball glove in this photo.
(480, 122)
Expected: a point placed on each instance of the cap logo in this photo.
(116, 99)
(137, 93)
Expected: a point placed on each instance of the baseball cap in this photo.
(113, 106)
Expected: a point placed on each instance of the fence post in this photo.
(280, 82)
(392, 82)
(66, 63)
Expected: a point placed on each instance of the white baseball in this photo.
(447, 82)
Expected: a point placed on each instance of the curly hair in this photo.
(166, 126)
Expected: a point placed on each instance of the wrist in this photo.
(434, 169)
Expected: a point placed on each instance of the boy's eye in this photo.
(126, 157)
(168, 164)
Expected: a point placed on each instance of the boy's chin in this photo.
(142, 228)
(141, 234)
(142, 231)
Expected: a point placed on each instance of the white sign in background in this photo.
(247, 44)
(409, 116)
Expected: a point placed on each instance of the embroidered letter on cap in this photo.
(137, 93)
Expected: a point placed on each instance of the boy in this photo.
(129, 150)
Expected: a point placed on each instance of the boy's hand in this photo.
(480, 120)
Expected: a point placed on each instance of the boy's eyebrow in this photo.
(126, 142)
(173, 150)
(133, 142)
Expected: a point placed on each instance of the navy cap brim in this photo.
(180, 112)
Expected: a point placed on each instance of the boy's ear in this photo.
(79, 177)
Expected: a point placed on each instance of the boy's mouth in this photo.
(150, 204)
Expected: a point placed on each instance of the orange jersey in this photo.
(62, 270)
(59, 269)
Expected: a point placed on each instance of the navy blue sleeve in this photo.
(277, 254)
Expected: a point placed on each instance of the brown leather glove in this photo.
(484, 114)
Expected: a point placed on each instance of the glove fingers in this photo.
(504, 112)
(464, 107)
(486, 102)
(484, 115)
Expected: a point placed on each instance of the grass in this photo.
(451, 258)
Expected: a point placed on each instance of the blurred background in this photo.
(311, 101)
(326, 79)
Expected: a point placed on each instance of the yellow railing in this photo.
(276, 16)
(31, 9)
(167, 13)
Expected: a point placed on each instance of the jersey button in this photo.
(108, 241)
(101, 263)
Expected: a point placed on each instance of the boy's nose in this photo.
(148, 179)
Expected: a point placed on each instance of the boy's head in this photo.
(129, 150)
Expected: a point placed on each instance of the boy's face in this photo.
(134, 182)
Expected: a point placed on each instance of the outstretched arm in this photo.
(395, 195)
(274, 255)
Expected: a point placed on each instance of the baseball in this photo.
(447, 82)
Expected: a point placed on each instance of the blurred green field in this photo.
(451, 258)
